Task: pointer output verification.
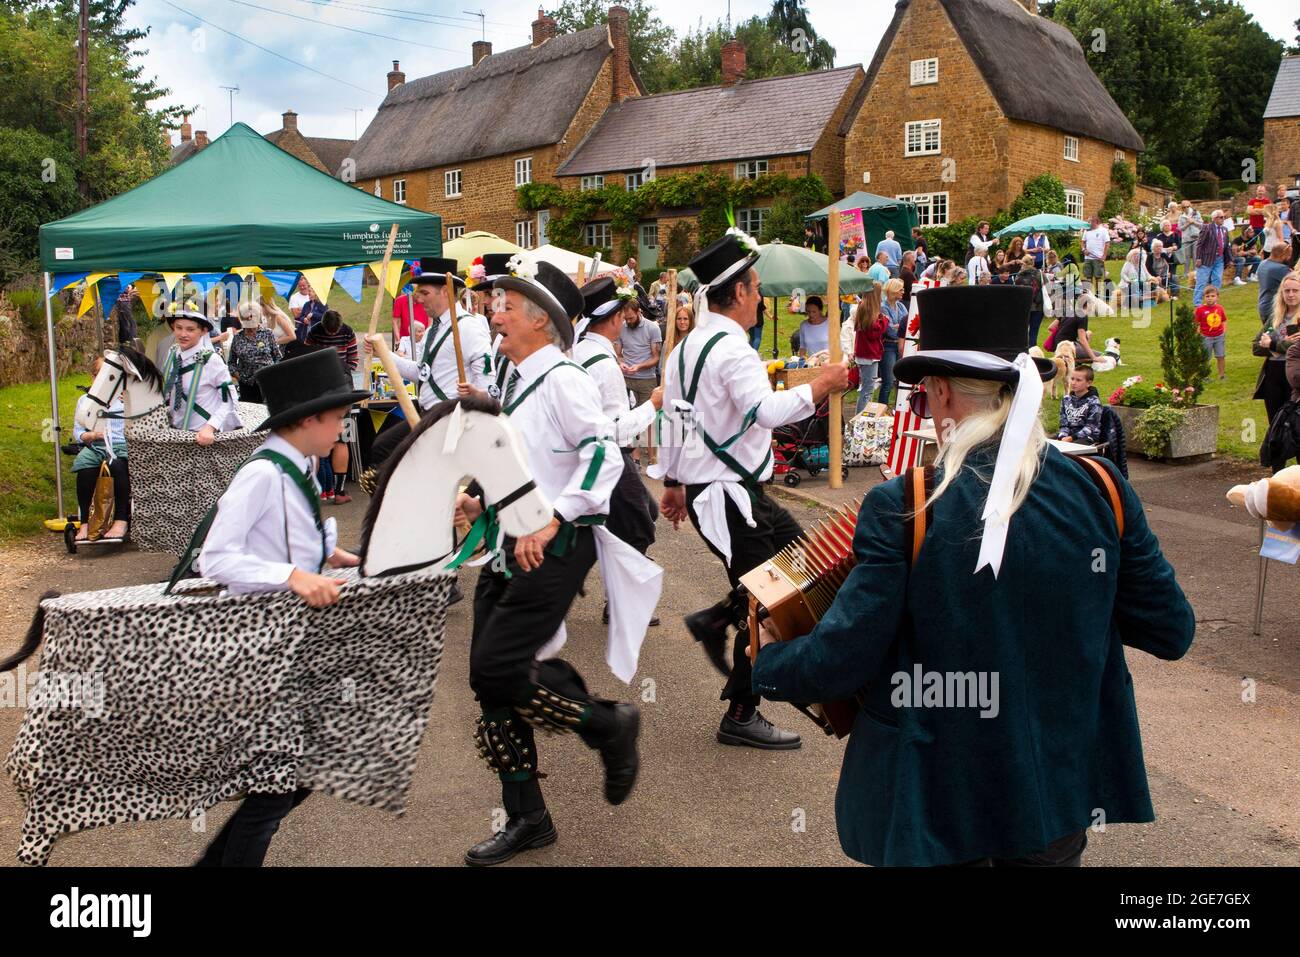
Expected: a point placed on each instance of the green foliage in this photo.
(680, 247)
(711, 192)
(1155, 426)
(1043, 194)
(1123, 178)
(1113, 205)
(1182, 353)
(38, 180)
(1158, 174)
(649, 38)
(30, 304)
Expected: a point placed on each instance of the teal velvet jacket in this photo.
(1059, 749)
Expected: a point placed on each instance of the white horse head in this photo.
(409, 522)
(125, 374)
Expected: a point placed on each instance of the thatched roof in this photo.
(514, 100)
(1035, 68)
(754, 118)
(1285, 99)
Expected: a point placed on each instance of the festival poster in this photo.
(853, 239)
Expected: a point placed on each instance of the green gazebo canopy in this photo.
(240, 201)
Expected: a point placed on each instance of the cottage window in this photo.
(633, 181)
(925, 71)
(524, 234)
(650, 235)
(600, 235)
(923, 138)
(752, 221)
(1072, 148)
(399, 191)
(523, 171)
(1074, 203)
(455, 232)
(592, 182)
(379, 190)
(751, 169)
(1120, 156)
(931, 208)
(451, 183)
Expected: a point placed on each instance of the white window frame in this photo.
(595, 181)
(1074, 203)
(1121, 156)
(641, 234)
(379, 189)
(524, 233)
(751, 169)
(455, 232)
(399, 191)
(596, 231)
(753, 219)
(632, 181)
(925, 72)
(523, 172)
(922, 130)
(453, 177)
(1072, 148)
(927, 208)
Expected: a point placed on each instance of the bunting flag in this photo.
(349, 279)
(206, 280)
(126, 278)
(91, 295)
(109, 288)
(170, 279)
(282, 282)
(320, 280)
(150, 290)
(394, 280)
(64, 280)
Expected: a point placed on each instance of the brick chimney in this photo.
(289, 120)
(1030, 5)
(186, 130)
(544, 28)
(733, 62)
(481, 49)
(622, 87)
(201, 139)
(395, 77)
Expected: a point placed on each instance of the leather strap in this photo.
(918, 485)
(1106, 484)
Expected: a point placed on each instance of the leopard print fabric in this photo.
(174, 481)
(208, 695)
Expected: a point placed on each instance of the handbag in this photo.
(101, 504)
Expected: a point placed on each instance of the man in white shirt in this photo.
(893, 252)
(266, 534)
(715, 464)
(197, 388)
(556, 408)
(1096, 245)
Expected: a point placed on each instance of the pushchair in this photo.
(803, 445)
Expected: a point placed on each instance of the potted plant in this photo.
(1163, 420)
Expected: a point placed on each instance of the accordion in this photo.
(796, 587)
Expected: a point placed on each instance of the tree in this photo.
(649, 39)
(698, 55)
(1295, 47)
(38, 183)
(1154, 62)
(789, 20)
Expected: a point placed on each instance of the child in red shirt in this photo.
(1214, 326)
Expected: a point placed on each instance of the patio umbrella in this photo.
(1043, 223)
(465, 249)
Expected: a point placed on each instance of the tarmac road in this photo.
(1225, 773)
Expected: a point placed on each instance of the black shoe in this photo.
(710, 631)
(518, 835)
(455, 594)
(620, 755)
(757, 732)
(654, 622)
(604, 615)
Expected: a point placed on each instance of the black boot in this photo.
(521, 833)
(709, 628)
(619, 753)
(757, 732)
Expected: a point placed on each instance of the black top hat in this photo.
(723, 262)
(554, 291)
(434, 269)
(992, 320)
(602, 296)
(495, 265)
(302, 386)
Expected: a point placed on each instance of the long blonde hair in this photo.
(867, 309)
(992, 404)
(1279, 307)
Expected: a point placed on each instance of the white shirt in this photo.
(1094, 242)
(404, 347)
(223, 414)
(975, 269)
(475, 343)
(296, 302)
(815, 337)
(264, 527)
(980, 244)
(605, 372)
(564, 429)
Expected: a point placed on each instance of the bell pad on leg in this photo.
(553, 712)
(505, 745)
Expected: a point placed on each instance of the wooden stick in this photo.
(582, 274)
(670, 306)
(383, 282)
(833, 304)
(455, 329)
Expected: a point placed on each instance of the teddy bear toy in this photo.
(1276, 499)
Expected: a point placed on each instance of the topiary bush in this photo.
(1182, 353)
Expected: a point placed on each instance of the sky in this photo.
(296, 54)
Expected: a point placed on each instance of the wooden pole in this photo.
(455, 329)
(833, 304)
(383, 282)
(670, 305)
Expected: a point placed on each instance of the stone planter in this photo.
(1195, 440)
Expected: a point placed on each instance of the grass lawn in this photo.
(26, 451)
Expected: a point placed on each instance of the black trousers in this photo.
(86, 479)
(1275, 390)
(513, 618)
(244, 841)
(1064, 852)
(632, 512)
(750, 547)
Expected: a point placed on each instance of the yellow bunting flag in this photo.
(149, 288)
(377, 419)
(91, 295)
(265, 288)
(170, 279)
(394, 280)
(320, 279)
